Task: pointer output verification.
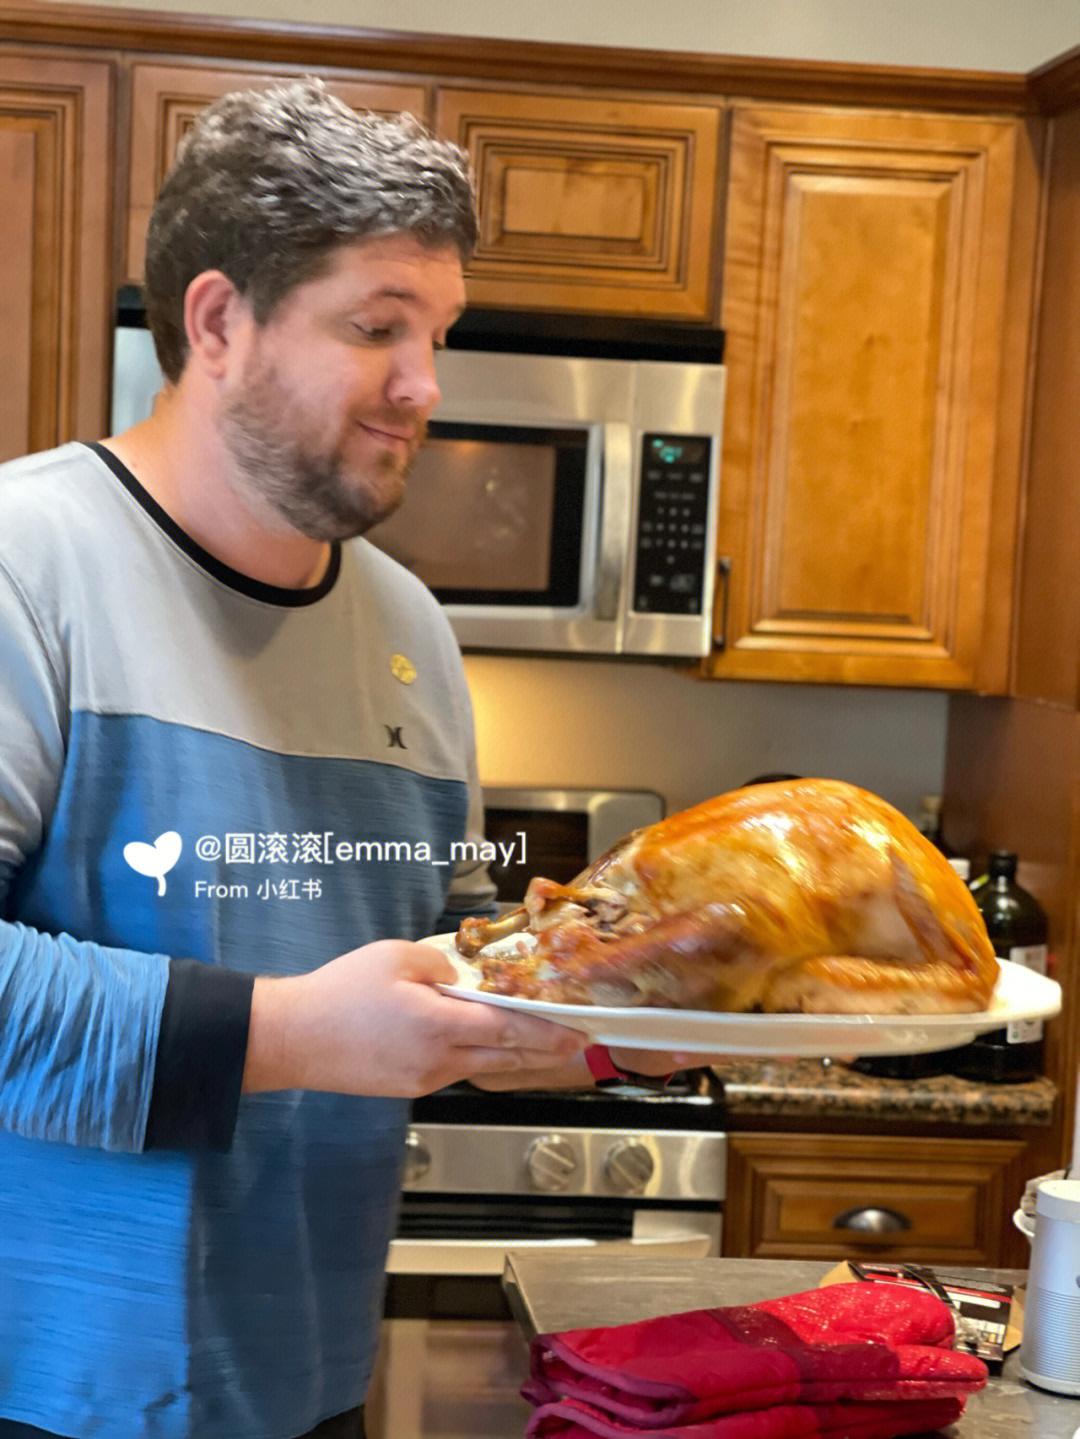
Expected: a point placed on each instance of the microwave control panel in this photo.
(672, 524)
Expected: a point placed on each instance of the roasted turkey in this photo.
(806, 895)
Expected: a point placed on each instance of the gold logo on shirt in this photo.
(403, 669)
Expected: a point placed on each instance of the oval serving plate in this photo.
(1019, 994)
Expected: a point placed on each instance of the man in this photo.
(235, 749)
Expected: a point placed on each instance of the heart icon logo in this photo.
(155, 860)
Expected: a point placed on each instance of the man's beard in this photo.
(295, 471)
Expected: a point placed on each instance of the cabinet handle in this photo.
(870, 1220)
(723, 580)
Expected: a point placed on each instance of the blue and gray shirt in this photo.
(202, 778)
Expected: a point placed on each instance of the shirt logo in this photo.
(393, 737)
(155, 860)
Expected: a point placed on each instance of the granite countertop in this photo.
(830, 1089)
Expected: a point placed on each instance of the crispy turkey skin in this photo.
(810, 896)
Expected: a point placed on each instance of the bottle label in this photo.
(1031, 956)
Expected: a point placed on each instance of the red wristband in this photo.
(602, 1067)
(600, 1063)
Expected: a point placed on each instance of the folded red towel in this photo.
(570, 1419)
(870, 1343)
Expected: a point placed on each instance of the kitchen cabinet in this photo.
(165, 100)
(846, 1196)
(606, 205)
(592, 205)
(872, 451)
(55, 236)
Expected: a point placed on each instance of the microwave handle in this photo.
(615, 516)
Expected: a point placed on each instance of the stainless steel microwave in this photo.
(566, 499)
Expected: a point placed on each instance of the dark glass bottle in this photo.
(929, 824)
(1017, 926)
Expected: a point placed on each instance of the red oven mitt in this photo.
(870, 1343)
(571, 1419)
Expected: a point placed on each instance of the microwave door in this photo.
(501, 521)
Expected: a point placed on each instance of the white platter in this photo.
(1019, 994)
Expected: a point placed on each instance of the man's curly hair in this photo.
(268, 184)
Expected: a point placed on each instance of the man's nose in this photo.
(414, 383)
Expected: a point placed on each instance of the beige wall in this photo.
(644, 726)
(1006, 35)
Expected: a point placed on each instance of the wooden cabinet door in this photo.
(864, 287)
(812, 1196)
(55, 302)
(165, 100)
(591, 205)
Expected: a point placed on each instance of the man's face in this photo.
(330, 401)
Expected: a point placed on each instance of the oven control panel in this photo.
(517, 1160)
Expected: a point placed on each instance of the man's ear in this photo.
(213, 308)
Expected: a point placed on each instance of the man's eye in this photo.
(375, 333)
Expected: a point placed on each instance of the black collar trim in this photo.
(244, 584)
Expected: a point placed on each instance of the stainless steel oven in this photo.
(623, 1170)
(556, 832)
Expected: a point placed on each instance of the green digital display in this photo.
(678, 449)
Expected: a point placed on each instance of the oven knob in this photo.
(628, 1166)
(417, 1159)
(551, 1162)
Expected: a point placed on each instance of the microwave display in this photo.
(493, 514)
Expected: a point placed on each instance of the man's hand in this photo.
(372, 1022)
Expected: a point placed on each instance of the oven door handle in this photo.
(488, 1256)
